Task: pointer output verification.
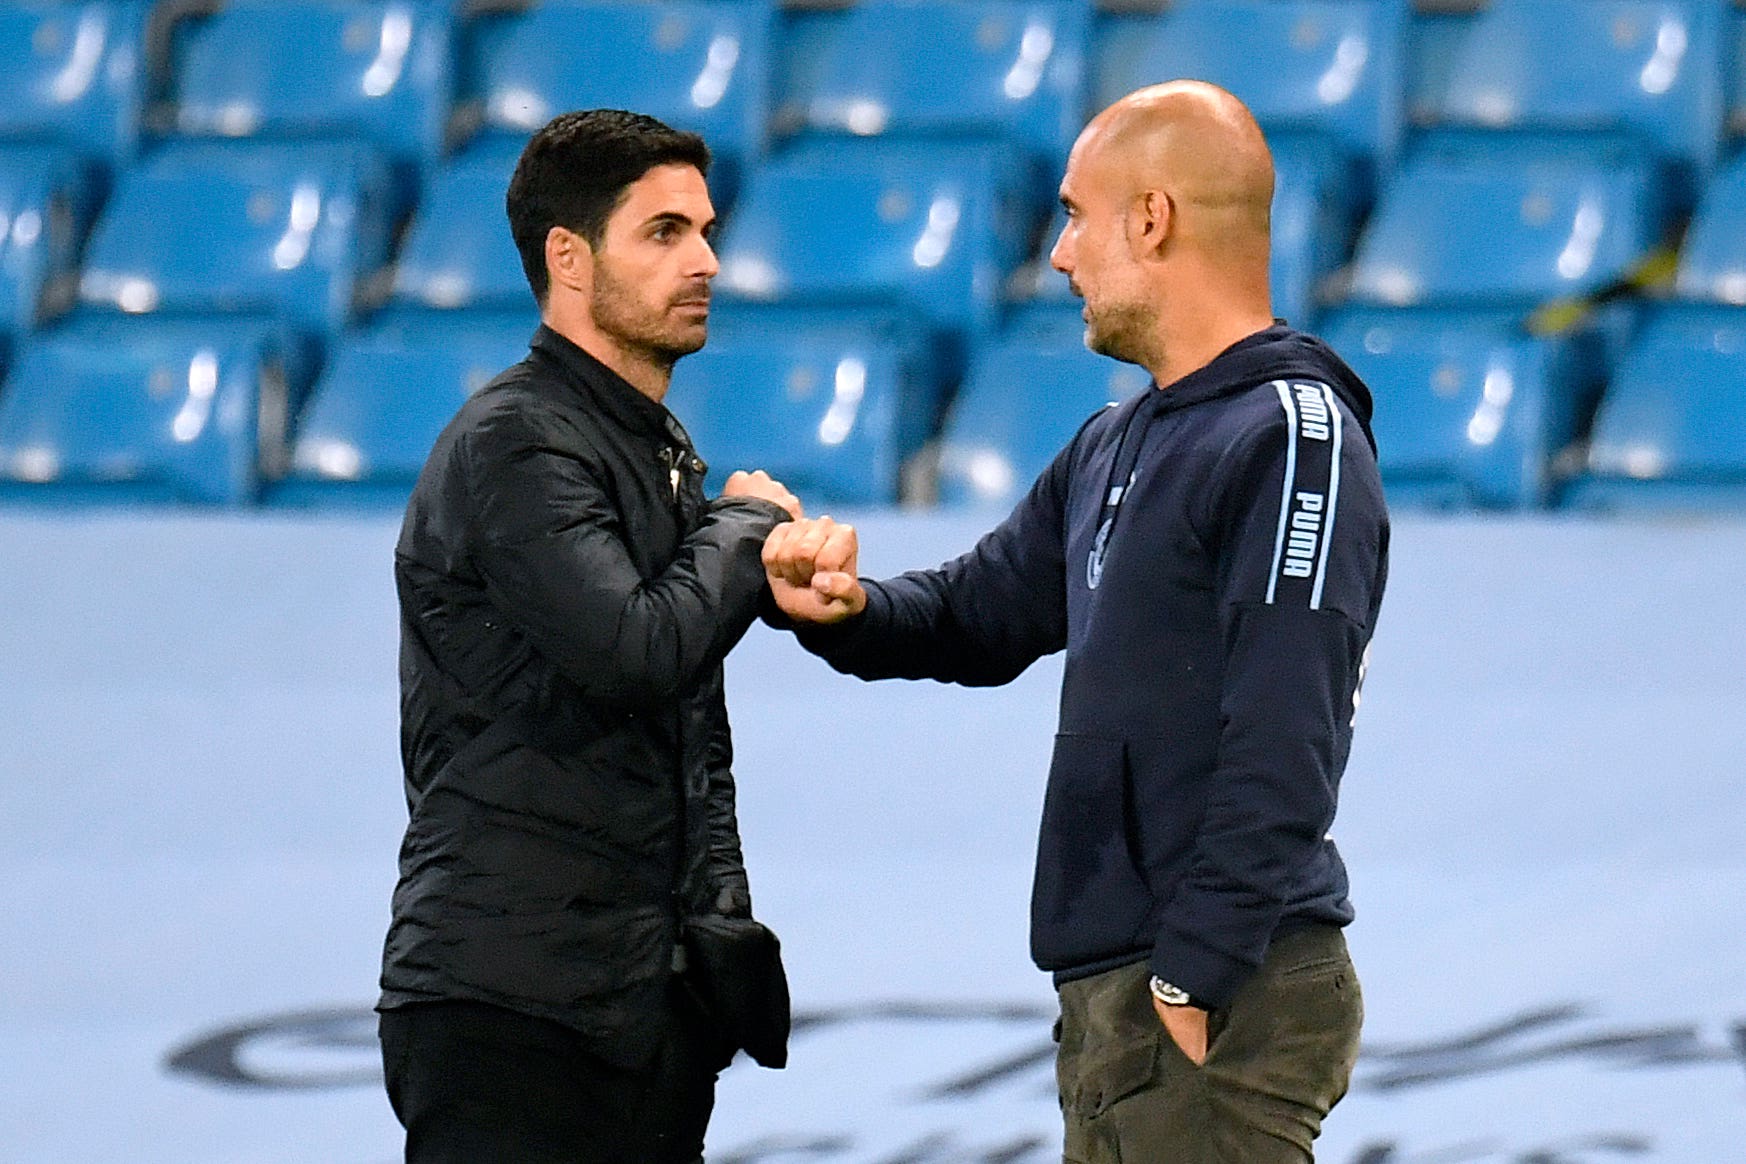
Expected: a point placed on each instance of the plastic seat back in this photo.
(376, 70)
(41, 191)
(1469, 410)
(73, 74)
(1026, 395)
(700, 65)
(1712, 260)
(1675, 412)
(1504, 229)
(1648, 70)
(251, 228)
(830, 403)
(385, 396)
(930, 228)
(143, 410)
(1013, 70)
(458, 251)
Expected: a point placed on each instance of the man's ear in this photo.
(1151, 219)
(569, 260)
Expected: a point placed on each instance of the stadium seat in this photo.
(701, 65)
(458, 251)
(830, 403)
(72, 73)
(41, 196)
(1470, 410)
(1007, 70)
(144, 410)
(1331, 69)
(1026, 395)
(931, 229)
(385, 396)
(241, 227)
(375, 70)
(1671, 431)
(1712, 260)
(1644, 71)
(1505, 228)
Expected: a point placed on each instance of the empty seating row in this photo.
(891, 254)
(416, 76)
(135, 410)
(1433, 318)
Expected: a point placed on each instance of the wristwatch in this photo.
(1170, 995)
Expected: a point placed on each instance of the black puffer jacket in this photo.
(567, 595)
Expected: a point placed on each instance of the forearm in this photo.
(625, 639)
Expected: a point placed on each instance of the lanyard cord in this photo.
(1122, 471)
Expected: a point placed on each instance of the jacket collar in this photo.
(609, 391)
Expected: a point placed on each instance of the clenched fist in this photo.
(811, 567)
(761, 485)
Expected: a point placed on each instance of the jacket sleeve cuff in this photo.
(764, 509)
(1211, 978)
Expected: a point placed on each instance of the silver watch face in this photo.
(1167, 994)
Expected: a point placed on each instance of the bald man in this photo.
(1211, 555)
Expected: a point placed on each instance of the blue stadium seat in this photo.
(1470, 410)
(144, 410)
(458, 251)
(701, 65)
(1012, 70)
(1331, 69)
(244, 227)
(931, 229)
(1647, 71)
(1671, 432)
(1712, 260)
(1505, 228)
(830, 403)
(384, 397)
(375, 70)
(41, 196)
(1459, 252)
(73, 73)
(1026, 395)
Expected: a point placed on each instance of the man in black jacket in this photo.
(567, 596)
(1211, 555)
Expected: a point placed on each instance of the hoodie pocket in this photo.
(1090, 901)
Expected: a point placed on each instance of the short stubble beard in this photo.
(619, 314)
(1120, 332)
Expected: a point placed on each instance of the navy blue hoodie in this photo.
(1212, 557)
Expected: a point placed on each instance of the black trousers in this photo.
(477, 1084)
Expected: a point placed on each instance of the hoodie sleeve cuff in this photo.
(1211, 978)
(829, 642)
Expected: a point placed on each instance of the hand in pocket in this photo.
(1186, 1025)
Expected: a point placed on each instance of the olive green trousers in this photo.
(1278, 1059)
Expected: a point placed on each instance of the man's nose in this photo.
(706, 265)
(1058, 257)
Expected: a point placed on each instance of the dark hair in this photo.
(574, 174)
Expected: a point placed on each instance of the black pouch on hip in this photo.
(736, 965)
